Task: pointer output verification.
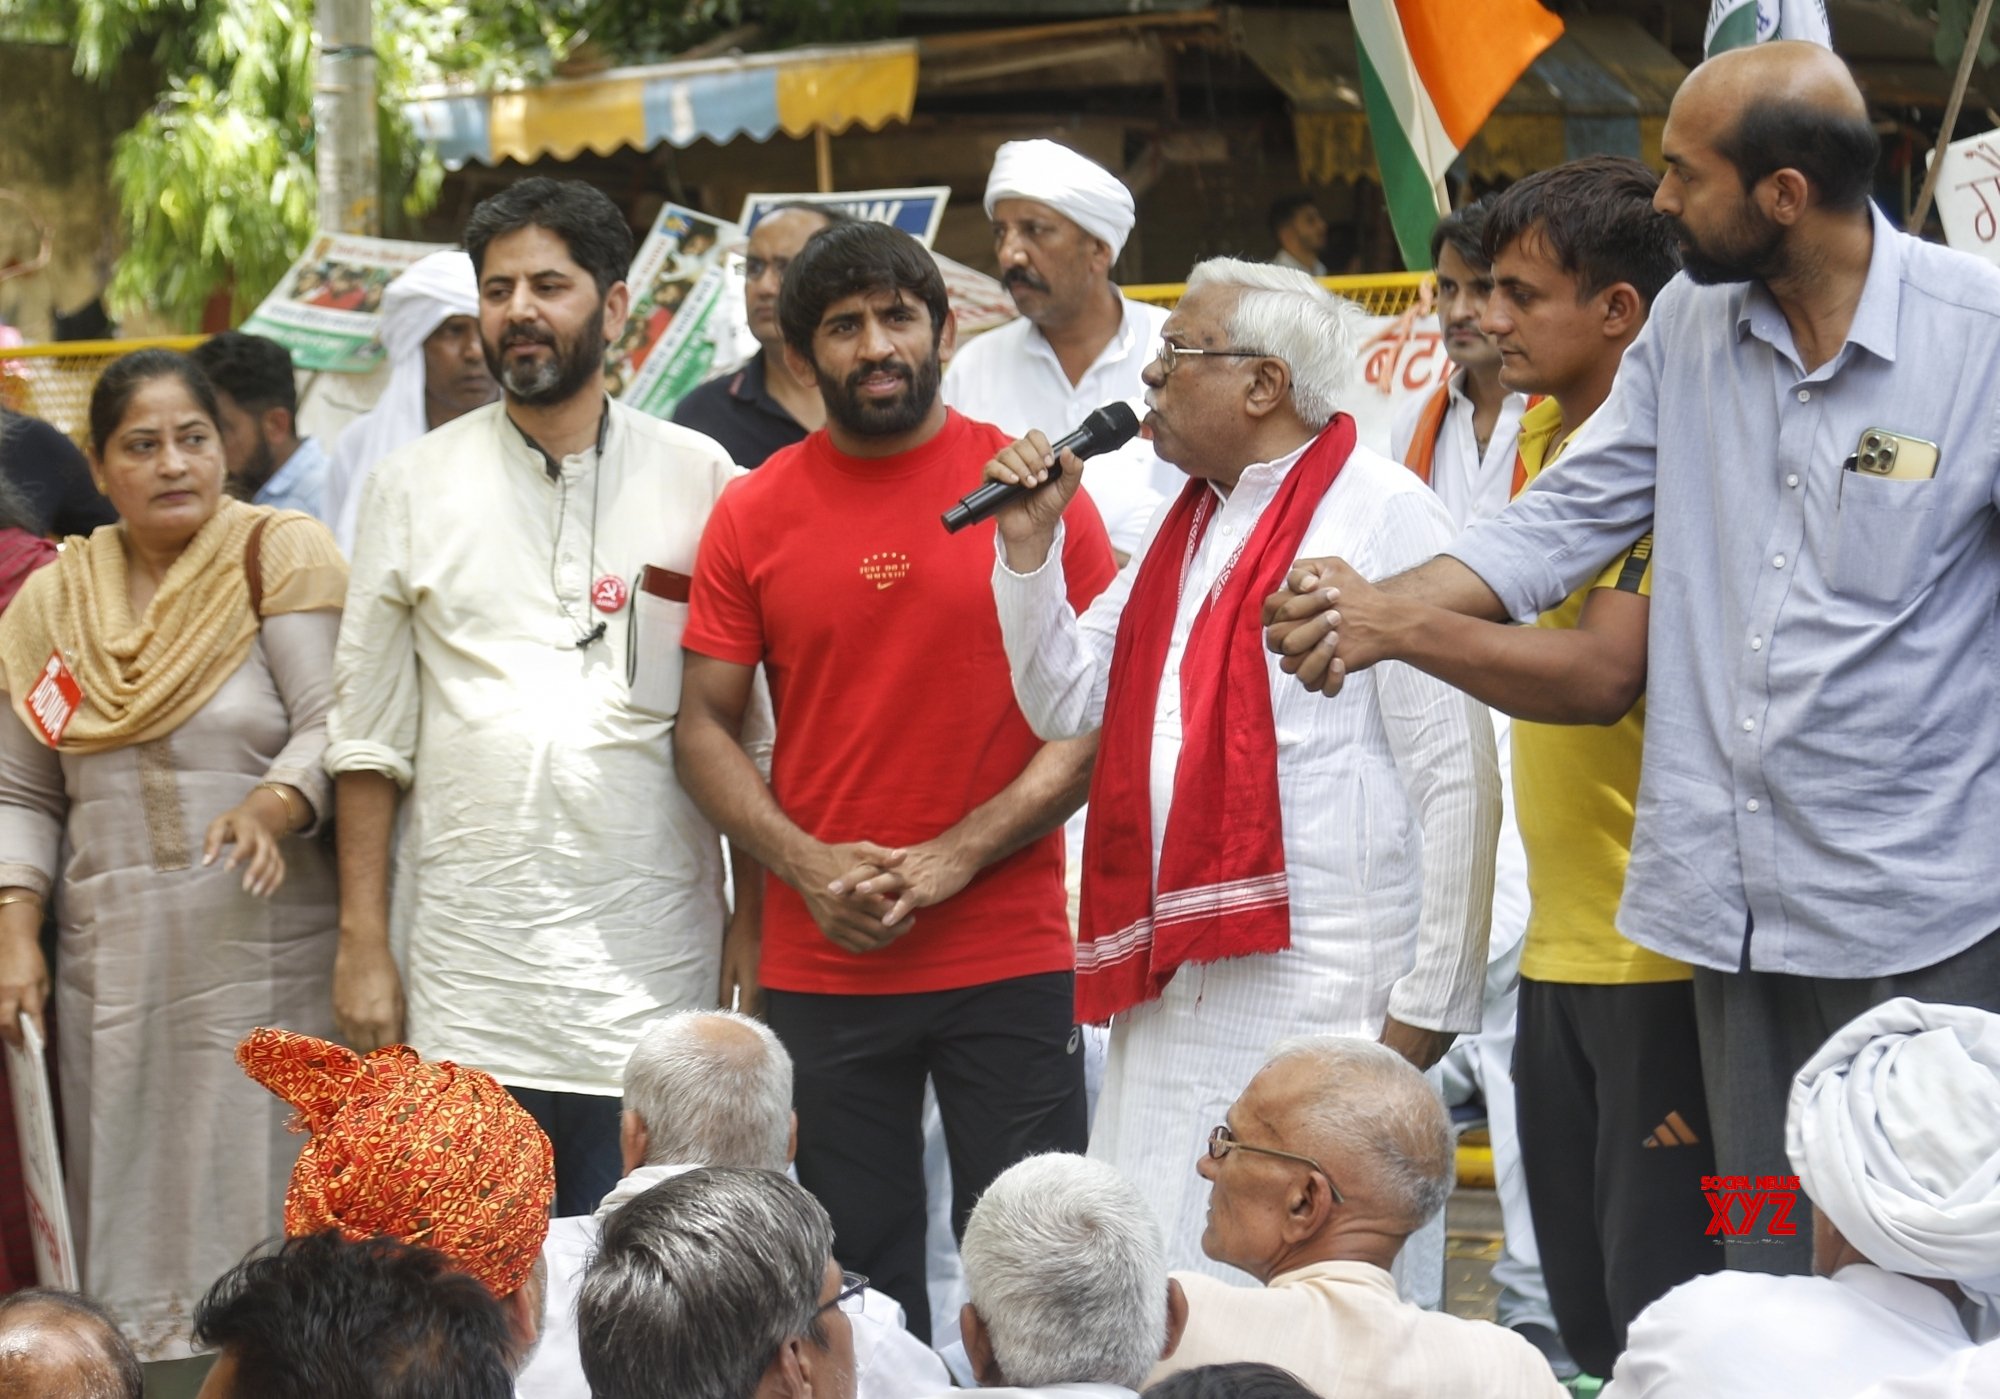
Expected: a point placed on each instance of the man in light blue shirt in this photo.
(1809, 426)
(257, 400)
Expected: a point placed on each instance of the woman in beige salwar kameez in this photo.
(159, 755)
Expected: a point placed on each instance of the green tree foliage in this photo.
(1954, 23)
(216, 182)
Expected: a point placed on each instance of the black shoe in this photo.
(1551, 1347)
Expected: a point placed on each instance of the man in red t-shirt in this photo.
(914, 921)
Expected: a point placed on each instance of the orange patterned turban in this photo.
(432, 1154)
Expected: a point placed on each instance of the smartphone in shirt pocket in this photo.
(653, 656)
(1885, 518)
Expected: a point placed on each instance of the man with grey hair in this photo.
(718, 1283)
(1254, 866)
(1335, 1154)
(62, 1345)
(1070, 1293)
(708, 1088)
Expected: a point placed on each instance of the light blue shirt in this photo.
(300, 484)
(1821, 785)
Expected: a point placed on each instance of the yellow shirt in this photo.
(1574, 789)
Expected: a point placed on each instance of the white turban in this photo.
(423, 297)
(1894, 1129)
(1081, 190)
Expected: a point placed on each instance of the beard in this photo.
(559, 377)
(1751, 249)
(898, 415)
(261, 467)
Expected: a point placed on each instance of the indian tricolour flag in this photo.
(1733, 24)
(1432, 71)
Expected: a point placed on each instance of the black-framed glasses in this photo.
(1169, 355)
(849, 1299)
(1222, 1141)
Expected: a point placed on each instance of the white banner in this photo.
(41, 1166)
(1968, 195)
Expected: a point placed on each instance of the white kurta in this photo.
(1970, 1374)
(1390, 802)
(555, 889)
(889, 1363)
(1010, 377)
(1743, 1335)
(1471, 485)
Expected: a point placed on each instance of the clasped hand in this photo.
(864, 896)
(1325, 621)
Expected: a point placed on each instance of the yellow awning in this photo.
(798, 91)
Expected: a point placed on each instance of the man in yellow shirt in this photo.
(1613, 1117)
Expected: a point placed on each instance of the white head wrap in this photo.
(1081, 190)
(1894, 1129)
(427, 294)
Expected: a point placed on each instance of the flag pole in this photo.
(1975, 36)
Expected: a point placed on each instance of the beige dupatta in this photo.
(144, 678)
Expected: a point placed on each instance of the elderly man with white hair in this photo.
(1059, 223)
(708, 1088)
(1894, 1131)
(1335, 1153)
(1255, 866)
(437, 372)
(1070, 1293)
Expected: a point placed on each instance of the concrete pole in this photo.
(344, 113)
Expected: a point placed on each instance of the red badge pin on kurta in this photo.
(609, 593)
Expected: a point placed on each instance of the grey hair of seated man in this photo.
(706, 1282)
(1068, 1278)
(1364, 1103)
(708, 1088)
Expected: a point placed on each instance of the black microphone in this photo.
(596, 633)
(1106, 430)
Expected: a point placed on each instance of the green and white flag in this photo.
(1735, 24)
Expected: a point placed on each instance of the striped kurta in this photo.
(1391, 805)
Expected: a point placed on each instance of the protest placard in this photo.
(672, 333)
(916, 211)
(1968, 195)
(41, 1166)
(326, 308)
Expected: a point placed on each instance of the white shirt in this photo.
(1471, 485)
(1970, 1374)
(1742, 1335)
(1341, 1328)
(889, 1363)
(1390, 802)
(555, 889)
(1010, 377)
(1389, 798)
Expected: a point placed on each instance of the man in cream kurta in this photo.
(1335, 1153)
(1389, 808)
(510, 657)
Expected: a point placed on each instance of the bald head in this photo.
(1788, 71)
(1363, 1105)
(712, 1088)
(1781, 105)
(58, 1345)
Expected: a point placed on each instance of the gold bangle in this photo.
(35, 899)
(284, 796)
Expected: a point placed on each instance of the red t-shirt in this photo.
(896, 713)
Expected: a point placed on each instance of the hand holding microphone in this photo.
(1014, 476)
